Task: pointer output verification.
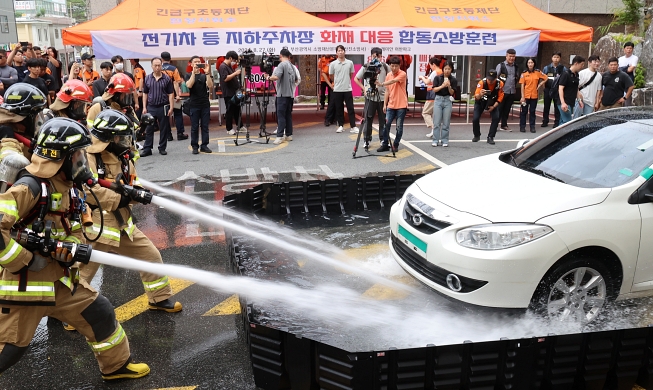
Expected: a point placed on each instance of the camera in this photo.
(246, 58)
(269, 62)
(201, 66)
(371, 72)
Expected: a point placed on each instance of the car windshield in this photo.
(604, 150)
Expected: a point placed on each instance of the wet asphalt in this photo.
(194, 349)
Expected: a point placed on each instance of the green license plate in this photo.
(409, 239)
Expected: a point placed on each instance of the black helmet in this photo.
(24, 99)
(60, 137)
(148, 120)
(110, 123)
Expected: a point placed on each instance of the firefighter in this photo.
(21, 113)
(118, 95)
(109, 156)
(73, 100)
(38, 280)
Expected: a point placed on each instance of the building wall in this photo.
(100, 7)
(8, 28)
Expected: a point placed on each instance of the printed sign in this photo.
(306, 40)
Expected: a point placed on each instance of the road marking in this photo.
(188, 175)
(423, 167)
(267, 174)
(380, 292)
(227, 307)
(139, 304)
(221, 146)
(303, 174)
(178, 388)
(468, 140)
(193, 230)
(403, 153)
(224, 173)
(330, 173)
(417, 150)
(251, 174)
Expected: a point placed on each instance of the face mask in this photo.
(119, 66)
(79, 172)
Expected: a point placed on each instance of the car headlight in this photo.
(500, 235)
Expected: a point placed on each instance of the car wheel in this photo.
(576, 290)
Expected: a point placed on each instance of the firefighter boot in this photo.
(129, 371)
(166, 305)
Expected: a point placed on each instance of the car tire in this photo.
(581, 302)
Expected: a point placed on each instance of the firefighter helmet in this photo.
(24, 99)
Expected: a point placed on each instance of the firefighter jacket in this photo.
(116, 220)
(98, 107)
(18, 285)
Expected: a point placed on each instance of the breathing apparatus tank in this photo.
(10, 165)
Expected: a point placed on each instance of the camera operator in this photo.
(200, 107)
(284, 75)
(374, 96)
(229, 85)
(488, 96)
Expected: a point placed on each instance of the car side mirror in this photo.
(644, 194)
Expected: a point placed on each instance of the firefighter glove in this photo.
(63, 256)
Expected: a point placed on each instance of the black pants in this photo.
(140, 108)
(347, 98)
(284, 116)
(324, 87)
(199, 116)
(373, 108)
(506, 106)
(164, 128)
(179, 120)
(479, 109)
(529, 108)
(232, 112)
(547, 108)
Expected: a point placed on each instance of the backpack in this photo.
(504, 71)
(553, 91)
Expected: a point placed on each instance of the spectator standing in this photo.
(373, 103)
(173, 73)
(285, 76)
(395, 103)
(568, 90)
(445, 88)
(531, 81)
(158, 96)
(229, 85)
(139, 77)
(119, 67)
(509, 73)
(33, 78)
(628, 64)
(8, 75)
(55, 66)
(488, 97)
(551, 71)
(617, 86)
(17, 59)
(49, 80)
(200, 107)
(589, 81)
(427, 111)
(88, 74)
(342, 71)
(323, 67)
(99, 85)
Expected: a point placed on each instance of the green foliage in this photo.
(640, 76)
(18, 14)
(40, 12)
(623, 38)
(631, 14)
(78, 9)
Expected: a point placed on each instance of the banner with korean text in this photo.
(184, 43)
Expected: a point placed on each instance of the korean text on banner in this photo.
(306, 40)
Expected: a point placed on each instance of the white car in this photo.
(562, 225)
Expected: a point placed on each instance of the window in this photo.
(4, 24)
(38, 30)
(45, 31)
(56, 33)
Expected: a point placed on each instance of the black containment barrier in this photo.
(608, 360)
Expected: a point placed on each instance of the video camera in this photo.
(372, 71)
(246, 58)
(268, 62)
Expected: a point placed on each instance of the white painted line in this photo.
(225, 175)
(251, 174)
(464, 140)
(267, 174)
(221, 146)
(645, 145)
(303, 174)
(330, 173)
(417, 150)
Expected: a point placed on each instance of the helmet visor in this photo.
(125, 99)
(123, 142)
(79, 164)
(78, 109)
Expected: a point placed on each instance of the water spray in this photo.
(188, 211)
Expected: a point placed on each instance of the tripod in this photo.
(263, 109)
(371, 96)
(246, 102)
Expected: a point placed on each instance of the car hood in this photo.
(500, 192)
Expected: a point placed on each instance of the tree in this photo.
(77, 10)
